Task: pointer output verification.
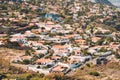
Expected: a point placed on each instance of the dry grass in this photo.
(110, 71)
(10, 54)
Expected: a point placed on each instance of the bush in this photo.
(103, 50)
(26, 61)
(20, 78)
(94, 73)
(100, 42)
(24, 76)
(88, 65)
(117, 56)
(59, 76)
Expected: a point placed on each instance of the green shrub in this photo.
(20, 78)
(26, 61)
(88, 65)
(94, 73)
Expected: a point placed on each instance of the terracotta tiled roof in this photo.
(43, 60)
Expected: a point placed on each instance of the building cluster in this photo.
(52, 43)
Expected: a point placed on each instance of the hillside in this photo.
(59, 40)
(108, 2)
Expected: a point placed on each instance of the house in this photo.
(26, 58)
(29, 34)
(18, 38)
(48, 26)
(52, 39)
(103, 54)
(37, 68)
(18, 0)
(92, 50)
(77, 52)
(57, 30)
(41, 24)
(71, 36)
(62, 50)
(79, 59)
(77, 37)
(44, 61)
(36, 31)
(81, 42)
(95, 39)
(56, 58)
(52, 16)
(37, 45)
(114, 46)
(95, 49)
(41, 51)
(68, 26)
(60, 68)
(3, 35)
(68, 31)
(3, 41)
(61, 40)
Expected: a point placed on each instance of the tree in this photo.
(59, 76)
(88, 65)
(19, 78)
(40, 55)
(85, 52)
(12, 15)
(64, 59)
(27, 52)
(26, 61)
(94, 73)
(109, 39)
(52, 34)
(103, 50)
(117, 56)
(100, 42)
